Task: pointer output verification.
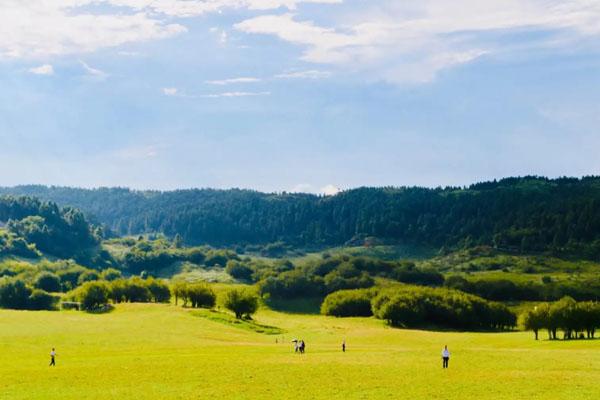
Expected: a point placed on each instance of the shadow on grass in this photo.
(310, 305)
(228, 319)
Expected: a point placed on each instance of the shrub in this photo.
(159, 290)
(419, 306)
(42, 300)
(243, 303)
(348, 303)
(200, 296)
(92, 295)
(69, 277)
(48, 282)
(111, 274)
(14, 294)
(88, 276)
(239, 271)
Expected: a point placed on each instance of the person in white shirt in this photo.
(445, 357)
(52, 358)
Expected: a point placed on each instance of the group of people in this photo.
(299, 347)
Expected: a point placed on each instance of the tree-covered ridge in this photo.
(33, 225)
(528, 214)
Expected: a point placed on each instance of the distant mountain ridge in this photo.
(522, 213)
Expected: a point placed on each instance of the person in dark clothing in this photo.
(344, 346)
(52, 358)
(302, 346)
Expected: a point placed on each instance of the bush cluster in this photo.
(196, 295)
(94, 294)
(348, 303)
(419, 306)
(507, 290)
(571, 317)
(331, 274)
(16, 294)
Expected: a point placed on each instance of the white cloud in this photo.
(235, 94)
(171, 91)
(413, 41)
(232, 81)
(93, 71)
(45, 69)
(310, 74)
(43, 28)
(327, 190)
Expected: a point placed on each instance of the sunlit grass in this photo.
(165, 352)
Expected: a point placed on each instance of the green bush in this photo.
(88, 276)
(111, 274)
(243, 303)
(413, 306)
(348, 303)
(200, 295)
(92, 295)
(42, 300)
(48, 282)
(239, 271)
(14, 294)
(159, 290)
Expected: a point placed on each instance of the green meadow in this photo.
(158, 351)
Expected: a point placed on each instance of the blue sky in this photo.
(297, 95)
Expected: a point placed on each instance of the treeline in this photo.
(320, 277)
(59, 276)
(509, 290)
(577, 320)
(35, 226)
(418, 307)
(17, 295)
(524, 214)
(152, 256)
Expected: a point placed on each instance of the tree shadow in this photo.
(310, 305)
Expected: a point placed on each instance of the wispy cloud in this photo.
(235, 94)
(93, 71)
(170, 91)
(310, 74)
(45, 69)
(413, 41)
(231, 81)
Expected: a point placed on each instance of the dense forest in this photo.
(526, 214)
(33, 226)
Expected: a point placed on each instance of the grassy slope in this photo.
(165, 352)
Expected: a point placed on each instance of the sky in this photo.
(297, 95)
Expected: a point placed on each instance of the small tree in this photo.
(535, 319)
(179, 290)
(201, 295)
(42, 300)
(159, 290)
(111, 274)
(92, 295)
(48, 282)
(242, 302)
(88, 276)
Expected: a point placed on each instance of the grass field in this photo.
(166, 352)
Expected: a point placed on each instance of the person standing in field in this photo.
(52, 358)
(445, 357)
(343, 346)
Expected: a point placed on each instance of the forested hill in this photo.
(30, 226)
(528, 214)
